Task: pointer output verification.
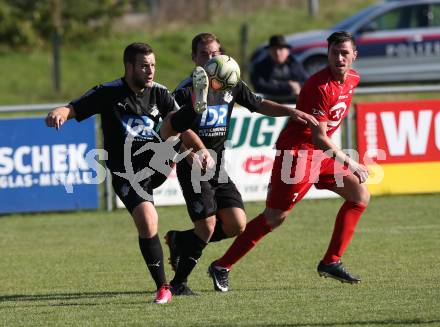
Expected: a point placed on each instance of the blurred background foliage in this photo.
(30, 23)
(94, 34)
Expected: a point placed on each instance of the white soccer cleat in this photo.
(200, 86)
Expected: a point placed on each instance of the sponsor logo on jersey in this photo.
(336, 114)
(138, 126)
(228, 97)
(154, 111)
(122, 105)
(318, 112)
(214, 116)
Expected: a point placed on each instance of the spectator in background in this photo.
(278, 75)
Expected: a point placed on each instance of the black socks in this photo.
(153, 255)
(218, 234)
(191, 247)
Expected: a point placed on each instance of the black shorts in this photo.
(129, 195)
(213, 195)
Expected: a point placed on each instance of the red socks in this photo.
(255, 230)
(345, 224)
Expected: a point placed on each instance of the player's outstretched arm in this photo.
(274, 109)
(58, 116)
(323, 142)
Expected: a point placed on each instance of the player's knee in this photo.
(275, 219)
(234, 228)
(362, 195)
(206, 226)
(146, 230)
(365, 197)
(238, 228)
(241, 227)
(357, 193)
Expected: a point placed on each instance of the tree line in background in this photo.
(205, 10)
(30, 23)
(27, 23)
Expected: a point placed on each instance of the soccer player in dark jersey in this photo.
(131, 109)
(216, 209)
(307, 156)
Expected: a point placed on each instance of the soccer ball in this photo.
(223, 72)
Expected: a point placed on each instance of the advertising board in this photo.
(42, 169)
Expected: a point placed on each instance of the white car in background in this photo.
(398, 41)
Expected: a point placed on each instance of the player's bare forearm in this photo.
(191, 140)
(324, 143)
(273, 109)
(58, 116)
(199, 153)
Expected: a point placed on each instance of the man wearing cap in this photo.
(278, 74)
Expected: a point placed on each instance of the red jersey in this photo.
(327, 100)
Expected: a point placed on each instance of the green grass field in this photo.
(85, 269)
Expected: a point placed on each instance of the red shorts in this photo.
(294, 173)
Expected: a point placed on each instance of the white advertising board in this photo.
(248, 159)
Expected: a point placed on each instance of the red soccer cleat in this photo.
(163, 295)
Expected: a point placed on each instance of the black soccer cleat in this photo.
(220, 277)
(181, 289)
(170, 240)
(337, 271)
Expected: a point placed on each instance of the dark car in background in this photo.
(398, 41)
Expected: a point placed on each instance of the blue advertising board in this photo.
(42, 169)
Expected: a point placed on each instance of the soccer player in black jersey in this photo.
(131, 109)
(216, 208)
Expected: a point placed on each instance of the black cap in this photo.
(278, 41)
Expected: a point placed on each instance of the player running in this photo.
(216, 209)
(306, 156)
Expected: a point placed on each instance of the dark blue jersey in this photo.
(126, 116)
(213, 125)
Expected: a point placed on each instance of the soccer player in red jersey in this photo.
(306, 156)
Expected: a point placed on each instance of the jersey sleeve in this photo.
(90, 103)
(245, 97)
(315, 101)
(168, 103)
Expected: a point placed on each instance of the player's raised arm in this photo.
(58, 116)
(274, 109)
